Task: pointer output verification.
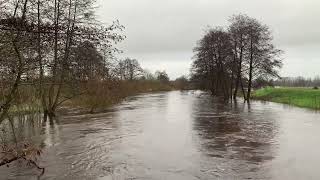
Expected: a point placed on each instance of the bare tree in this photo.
(73, 26)
(16, 54)
(263, 57)
(129, 69)
(213, 61)
(226, 61)
(238, 32)
(87, 63)
(162, 76)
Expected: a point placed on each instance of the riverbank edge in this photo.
(85, 110)
(97, 99)
(307, 98)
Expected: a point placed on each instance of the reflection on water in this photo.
(175, 135)
(231, 132)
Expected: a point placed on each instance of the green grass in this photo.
(301, 97)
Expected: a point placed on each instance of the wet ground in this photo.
(177, 135)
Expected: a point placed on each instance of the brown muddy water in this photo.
(177, 136)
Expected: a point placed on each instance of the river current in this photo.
(179, 135)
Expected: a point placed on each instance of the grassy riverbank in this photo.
(301, 97)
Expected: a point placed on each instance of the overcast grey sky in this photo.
(162, 33)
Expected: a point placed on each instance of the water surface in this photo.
(177, 135)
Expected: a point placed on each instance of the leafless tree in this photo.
(162, 76)
(129, 69)
(213, 59)
(228, 60)
(87, 63)
(238, 32)
(16, 53)
(262, 57)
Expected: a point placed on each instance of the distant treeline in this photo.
(228, 61)
(298, 82)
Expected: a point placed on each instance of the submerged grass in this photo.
(97, 95)
(104, 94)
(300, 97)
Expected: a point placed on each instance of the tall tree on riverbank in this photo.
(263, 57)
(254, 53)
(238, 31)
(73, 24)
(16, 50)
(213, 59)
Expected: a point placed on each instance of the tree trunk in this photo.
(243, 91)
(4, 108)
(55, 59)
(239, 71)
(250, 71)
(42, 90)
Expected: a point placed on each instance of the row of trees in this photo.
(54, 43)
(228, 60)
(130, 70)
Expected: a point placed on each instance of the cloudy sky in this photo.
(162, 33)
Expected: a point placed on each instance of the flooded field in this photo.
(176, 135)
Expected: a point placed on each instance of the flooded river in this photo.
(178, 136)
